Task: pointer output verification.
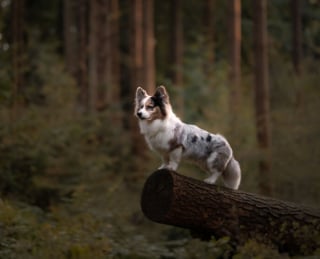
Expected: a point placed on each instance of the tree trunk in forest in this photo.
(82, 71)
(104, 54)
(176, 52)
(149, 44)
(205, 209)
(113, 91)
(115, 52)
(297, 47)
(103, 48)
(70, 36)
(142, 67)
(235, 56)
(143, 43)
(261, 86)
(208, 24)
(18, 55)
(296, 35)
(136, 73)
(93, 55)
(137, 45)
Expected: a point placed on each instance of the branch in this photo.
(173, 199)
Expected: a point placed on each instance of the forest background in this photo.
(72, 162)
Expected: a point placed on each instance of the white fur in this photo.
(158, 133)
(166, 134)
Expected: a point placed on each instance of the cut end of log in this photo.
(157, 195)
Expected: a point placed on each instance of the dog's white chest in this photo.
(157, 135)
(159, 142)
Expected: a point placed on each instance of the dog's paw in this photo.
(209, 180)
(167, 167)
(162, 167)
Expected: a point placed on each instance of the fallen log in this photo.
(212, 210)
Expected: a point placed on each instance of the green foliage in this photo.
(254, 249)
(18, 164)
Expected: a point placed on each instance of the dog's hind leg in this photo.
(213, 177)
(217, 162)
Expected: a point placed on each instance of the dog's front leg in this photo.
(174, 159)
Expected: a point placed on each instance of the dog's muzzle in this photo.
(140, 116)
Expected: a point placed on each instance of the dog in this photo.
(173, 139)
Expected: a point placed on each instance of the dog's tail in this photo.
(232, 174)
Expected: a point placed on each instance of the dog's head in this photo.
(154, 107)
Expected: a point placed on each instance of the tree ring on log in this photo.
(161, 195)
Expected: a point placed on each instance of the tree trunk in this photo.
(93, 55)
(235, 56)
(82, 74)
(137, 73)
(137, 45)
(114, 80)
(149, 43)
(143, 42)
(104, 54)
(176, 52)
(70, 36)
(296, 35)
(297, 54)
(142, 70)
(104, 72)
(261, 86)
(18, 55)
(115, 52)
(208, 24)
(173, 199)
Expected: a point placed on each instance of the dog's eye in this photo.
(150, 107)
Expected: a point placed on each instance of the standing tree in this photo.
(93, 54)
(103, 54)
(208, 25)
(70, 36)
(82, 71)
(235, 55)
(18, 28)
(114, 94)
(296, 35)
(92, 51)
(261, 87)
(176, 51)
(137, 44)
(149, 43)
(297, 44)
(142, 67)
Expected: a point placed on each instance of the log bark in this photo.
(211, 210)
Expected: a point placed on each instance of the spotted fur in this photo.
(166, 134)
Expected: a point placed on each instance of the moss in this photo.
(7, 213)
(255, 249)
(78, 251)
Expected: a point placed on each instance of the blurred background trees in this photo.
(69, 143)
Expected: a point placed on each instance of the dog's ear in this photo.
(161, 94)
(140, 93)
(161, 99)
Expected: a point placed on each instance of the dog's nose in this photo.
(139, 114)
